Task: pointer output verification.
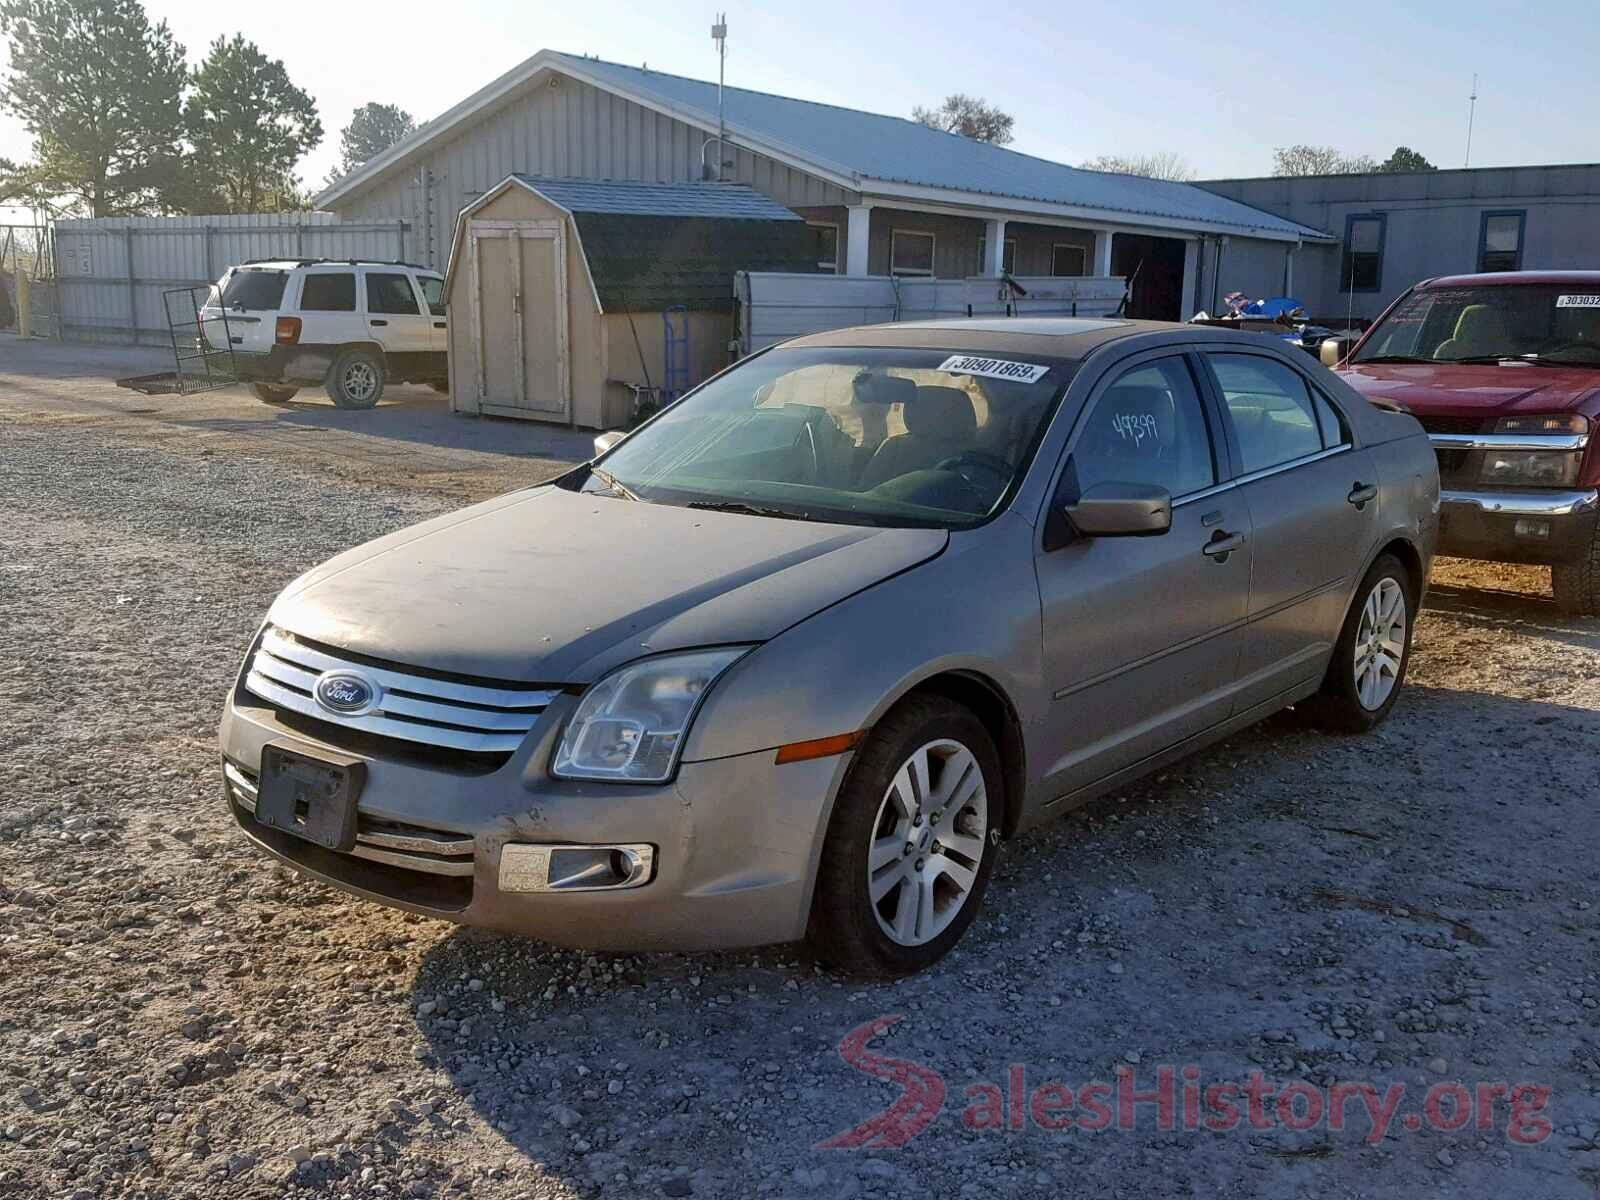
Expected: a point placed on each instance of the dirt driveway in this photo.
(1408, 919)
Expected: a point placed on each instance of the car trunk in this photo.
(246, 319)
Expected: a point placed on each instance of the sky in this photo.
(1221, 87)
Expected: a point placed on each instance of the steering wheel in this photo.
(1592, 347)
(993, 463)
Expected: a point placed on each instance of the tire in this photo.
(274, 393)
(1353, 698)
(356, 379)
(1577, 583)
(940, 884)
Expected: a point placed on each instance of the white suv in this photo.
(351, 326)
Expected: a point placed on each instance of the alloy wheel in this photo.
(360, 381)
(1380, 643)
(927, 842)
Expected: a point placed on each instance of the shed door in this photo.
(521, 320)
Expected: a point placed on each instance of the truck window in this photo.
(253, 290)
(333, 291)
(391, 294)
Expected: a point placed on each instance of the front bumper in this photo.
(733, 841)
(1533, 525)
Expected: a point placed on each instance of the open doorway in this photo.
(1158, 284)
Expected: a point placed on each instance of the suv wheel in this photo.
(911, 842)
(356, 379)
(1577, 583)
(273, 393)
(1370, 657)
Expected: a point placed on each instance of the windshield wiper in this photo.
(1481, 359)
(749, 510)
(1390, 358)
(610, 480)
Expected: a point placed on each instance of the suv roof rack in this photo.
(353, 262)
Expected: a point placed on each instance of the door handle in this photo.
(1361, 493)
(438, 325)
(1221, 545)
(375, 321)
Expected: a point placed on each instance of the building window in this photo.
(1500, 240)
(827, 241)
(1363, 253)
(1008, 256)
(1066, 259)
(910, 253)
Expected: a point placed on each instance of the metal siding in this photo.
(114, 270)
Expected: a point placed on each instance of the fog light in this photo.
(575, 868)
(1532, 529)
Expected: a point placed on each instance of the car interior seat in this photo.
(940, 423)
(1480, 330)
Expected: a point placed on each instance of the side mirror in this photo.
(1121, 510)
(604, 441)
(1333, 350)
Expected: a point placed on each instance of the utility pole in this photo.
(719, 34)
(1472, 109)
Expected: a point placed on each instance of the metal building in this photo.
(1395, 229)
(883, 195)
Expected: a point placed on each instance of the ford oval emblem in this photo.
(345, 693)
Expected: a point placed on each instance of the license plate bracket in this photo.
(312, 796)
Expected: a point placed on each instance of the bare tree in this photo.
(970, 116)
(1167, 164)
(1320, 160)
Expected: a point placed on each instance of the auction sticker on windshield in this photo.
(993, 368)
(1578, 301)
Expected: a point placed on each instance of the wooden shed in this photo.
(564, 294)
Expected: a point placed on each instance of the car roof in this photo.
(1505, 278)
(1051, 337)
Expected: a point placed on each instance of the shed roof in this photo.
(869, 152)
(726, 201)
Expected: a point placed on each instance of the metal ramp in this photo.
(198, 366)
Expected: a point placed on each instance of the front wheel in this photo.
(911, 842)
(356, 379)
(1369, 660)
(1576, 583)
(273, 393)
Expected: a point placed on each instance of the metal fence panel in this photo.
(775, 305)
(113, 271)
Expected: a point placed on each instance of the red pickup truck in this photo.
(1503, 371)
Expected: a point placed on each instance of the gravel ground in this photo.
(178, 1017)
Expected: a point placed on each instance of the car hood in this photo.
(553, 586)
(1440, 389)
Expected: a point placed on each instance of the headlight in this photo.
(630, 726)
(1542, 468)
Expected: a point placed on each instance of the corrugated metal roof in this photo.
(728, 201)
(895, 149)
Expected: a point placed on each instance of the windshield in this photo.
(258, 290)
(854, 436)
(1542, 322)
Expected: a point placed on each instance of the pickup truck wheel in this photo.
(273, 394)
(1369, 660)
(910, 843)
(356, 379)
(1577, 583)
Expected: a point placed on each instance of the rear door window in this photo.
(433, 293)
(254, 291)
(1274, 416)
(333, 291)
(391, 294)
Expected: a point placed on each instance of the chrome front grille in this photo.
(433, 851)
(413, 708)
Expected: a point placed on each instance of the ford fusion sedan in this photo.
(1503, 371)
(796, 658)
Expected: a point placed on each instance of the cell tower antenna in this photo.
(719, 34)
(1472, 110)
